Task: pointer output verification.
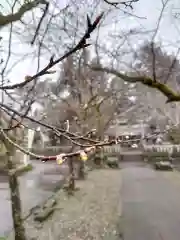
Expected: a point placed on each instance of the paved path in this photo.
(35, 187)
(151, 205)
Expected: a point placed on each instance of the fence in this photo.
(154, 153)
(113, 149)
(170, 148)
(116, 148)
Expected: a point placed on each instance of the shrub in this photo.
(156, 156)
(112, 162)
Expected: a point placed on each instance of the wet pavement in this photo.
(150, 205)
(150, 202)
(35, 187)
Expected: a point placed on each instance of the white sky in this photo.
(149, 9)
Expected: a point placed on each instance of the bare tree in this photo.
(167, 71)
(85, 103)
(23, 112)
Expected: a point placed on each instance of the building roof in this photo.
(119, 130)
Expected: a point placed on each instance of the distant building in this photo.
(128, 133)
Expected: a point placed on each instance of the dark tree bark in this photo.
(81, 170)
(71, 186)
(98, 158)
(19, 229)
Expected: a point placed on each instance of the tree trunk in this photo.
(19, 230)
(71, 186)
(80, 167)
(98, 158)
(81, 170)
(53, 141)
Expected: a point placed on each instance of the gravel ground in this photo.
(92, 214)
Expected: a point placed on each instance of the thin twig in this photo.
(80, 45)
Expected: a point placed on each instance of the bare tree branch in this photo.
(40, 22)
(80, 45)
(171, 95)
(27, 6)
(127, 3)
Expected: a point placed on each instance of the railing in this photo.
(162, 148)
(112, 149)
